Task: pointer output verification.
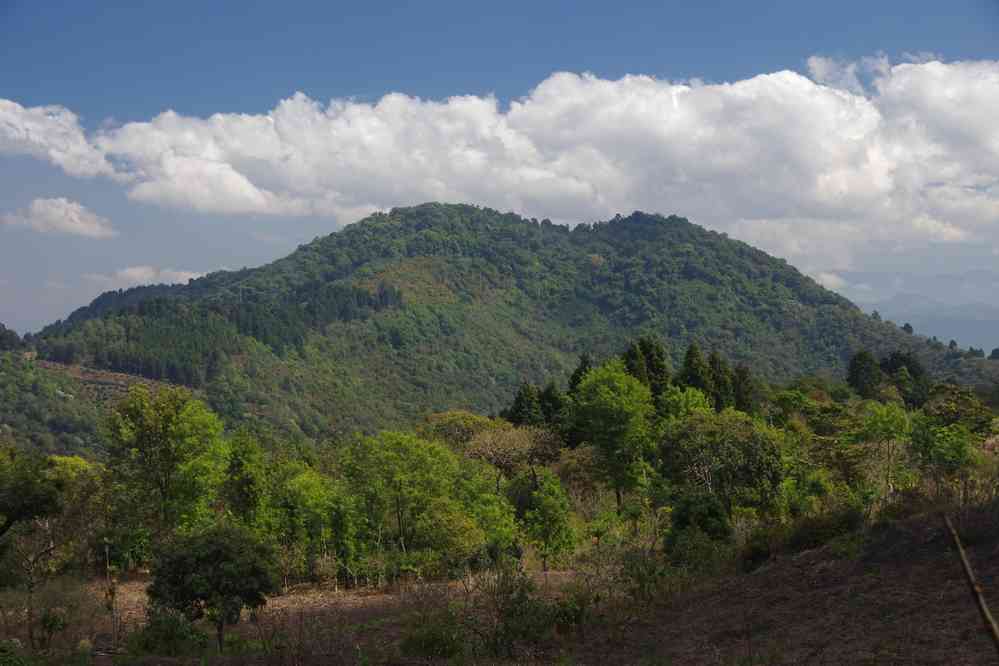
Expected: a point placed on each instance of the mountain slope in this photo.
(443, 306)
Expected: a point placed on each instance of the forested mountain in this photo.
(448, 306)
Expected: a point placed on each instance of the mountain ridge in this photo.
(440, 306)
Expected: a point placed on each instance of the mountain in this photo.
(970, 324)
(452, 306)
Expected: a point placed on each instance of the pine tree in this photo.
(864, 374)
(656, 364)
(634, 362)
(584, 366)
(696, 371)
(722, 381)
(526, 407)
(552, 402)
(745, 389)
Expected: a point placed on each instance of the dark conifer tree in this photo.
(745, 389)
(584, 366)
(634, 362)
(552, 402)
(526, 407)
(722, 381)
(696, 371)
(864, 374)
(656, 364)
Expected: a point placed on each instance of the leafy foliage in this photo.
(214, 574)
(439, 307)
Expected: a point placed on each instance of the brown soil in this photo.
(904, 600)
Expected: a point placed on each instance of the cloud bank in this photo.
(60, 216)
(828, 169)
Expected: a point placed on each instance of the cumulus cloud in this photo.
(134, 276)
(60, 216)
(829, 170)
(51, 133)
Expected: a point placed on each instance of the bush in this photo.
(437, 635)
(695, 553)
(11, 654)
(167, 633)
(816, 530)
(701, 511)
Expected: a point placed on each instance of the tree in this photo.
(679, 403)
(457, 428)
(542, 509)
(907, 327)
(585, 365)
(746, 390)
(994, 356)
(696, 372)
(634, 362)
(612, 411)
(27, 491)
(864, 374)
(46, 545)
(886, 426)
(214, 574)
(722, 381)
(656, 364)
(526, 407)
(941, 451)
(167, 452)
(9, 340)
(729, 454)
(553, 403)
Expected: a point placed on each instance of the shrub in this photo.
(438, 635)
(167, 633)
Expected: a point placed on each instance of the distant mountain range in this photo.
(970, 324)
(452, 306)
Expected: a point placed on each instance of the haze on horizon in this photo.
(155, 145)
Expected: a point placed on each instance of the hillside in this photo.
(445, 306)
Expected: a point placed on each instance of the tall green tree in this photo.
(612, 411)
(696, 372)
(553, 403)
(543, 512)
(729, 455)
(722, 381)
(634, 362)
(526, 407)
(166, 452)
(656, 364)
(584, 366)
(214, 574)
(887, 427)
(27, 490)
(746, 390)
(864, 374)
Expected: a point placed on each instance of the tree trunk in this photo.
(220, 634)
(620, 500)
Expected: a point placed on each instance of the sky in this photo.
(155, 142)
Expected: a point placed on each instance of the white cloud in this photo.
(134, 276)
(60, 216)
(830, 280)
(51, 133)
(832, 170)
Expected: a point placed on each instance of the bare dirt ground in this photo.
(904, 600)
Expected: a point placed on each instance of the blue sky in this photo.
(106, 192)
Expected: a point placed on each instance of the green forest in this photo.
(641, 476)
(437, 307)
